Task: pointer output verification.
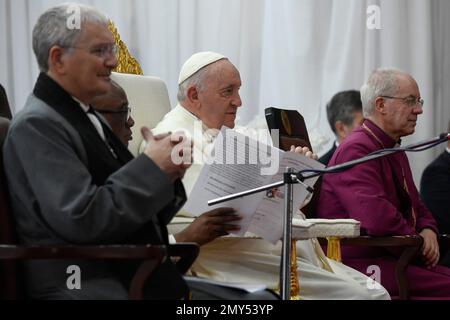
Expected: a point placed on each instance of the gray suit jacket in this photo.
(55, 201)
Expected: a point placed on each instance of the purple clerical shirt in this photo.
(374, 193)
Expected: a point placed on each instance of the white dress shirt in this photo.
(93, 118)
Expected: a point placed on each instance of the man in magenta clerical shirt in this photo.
(381, 193)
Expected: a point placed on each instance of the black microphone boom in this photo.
(427, 144)
(443, 136)
(413, 147)
(311, 173)
(291, 178)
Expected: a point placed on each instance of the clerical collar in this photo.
(209, 134)
(382, 137)
(187, 112)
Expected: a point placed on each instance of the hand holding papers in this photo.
(238, 163)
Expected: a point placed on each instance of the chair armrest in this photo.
(391, 241)
(186, 254)
(152, 255)
(321, 228)
(15, 252)
(411, 247)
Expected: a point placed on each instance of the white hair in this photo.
(382, 82)
(52, 28)
(196, 80)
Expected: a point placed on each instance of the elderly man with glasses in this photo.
(72, 181)
(114, 108)
(381, 193)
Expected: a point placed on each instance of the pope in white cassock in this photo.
(209, 99)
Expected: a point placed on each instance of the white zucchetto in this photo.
(196, 62)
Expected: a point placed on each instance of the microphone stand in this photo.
(290, 177)
(285, 266)
(334, 169)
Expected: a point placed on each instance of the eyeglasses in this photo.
(122, 112)
(410, 101)
(104, 51)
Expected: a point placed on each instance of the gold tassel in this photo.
(295, 284)
(334, 249)
(127, 63)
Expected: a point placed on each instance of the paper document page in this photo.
(231, 169)
(238, 164)
(268, 219)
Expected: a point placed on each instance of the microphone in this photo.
(311, 173)
(444, 135)
(415, 147)
(439, 139)
(291, 178)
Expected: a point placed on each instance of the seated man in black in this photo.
(344, 112)
(435, 192)
(113, 106)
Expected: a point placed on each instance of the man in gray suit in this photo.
(72, 181)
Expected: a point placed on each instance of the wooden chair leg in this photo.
(139, 280)
(185, 254)
(400, 271)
